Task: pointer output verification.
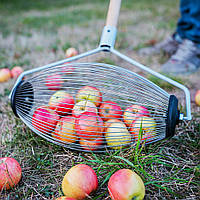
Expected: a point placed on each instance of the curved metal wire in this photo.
(113, 126)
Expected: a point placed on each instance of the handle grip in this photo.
(113, 13)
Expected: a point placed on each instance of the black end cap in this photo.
(172, 116)
(27, 98)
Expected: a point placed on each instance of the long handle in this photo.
(113, 13)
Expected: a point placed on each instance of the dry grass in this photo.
(170, 169)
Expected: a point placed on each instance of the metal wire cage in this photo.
(92, 106)
(96, 106)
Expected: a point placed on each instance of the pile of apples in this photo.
(81, 180)
(92, 122)
(6, 74)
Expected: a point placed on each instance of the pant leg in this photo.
(188, 26)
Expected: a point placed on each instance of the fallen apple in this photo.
(5, 75)
(197, 98)
(116, 134)
(16, 71)
(148, 128)
(65, 130)
(89, 93)
(45, 119)
(125, 184)
(83, 106)
(91, 144)
(79, 182)
(70, 52)
(62, 102)
(109, 109)
(10, 173)
(89, 126)
(65, 198)
(54, 82)
(133, 112)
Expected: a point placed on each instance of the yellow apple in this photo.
(116, 134)
(148, 126)
(83, 106)
(197, 98)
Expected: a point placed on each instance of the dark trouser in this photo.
(188, 26)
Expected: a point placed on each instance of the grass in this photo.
(33, 33)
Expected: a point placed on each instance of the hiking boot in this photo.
(185, 61)
(169, 46)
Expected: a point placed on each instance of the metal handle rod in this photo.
(182, 87)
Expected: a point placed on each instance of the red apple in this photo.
(133, 112)
(91, 144)
(54, 82)
(62, 102)
(89, 126)
(5, 75)
(16, 71)
(83, 106)
(65, 198)
(197, 98)
(109, 109)
(10, 173)
(45, 119)
(125, 184)
(79, 182)
(65, 130)
(148, 126)
(70, 52)
(89, 93)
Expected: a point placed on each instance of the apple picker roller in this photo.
(97, 106)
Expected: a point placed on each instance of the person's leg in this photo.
(188, 26)
(169, 46)
(187, 57)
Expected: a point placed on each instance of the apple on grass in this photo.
(116, 134)
(83, 106)
(45, 119)
(125, 184)
(10, 173)
(16, 71)
(62, 102)
(147, 126)
(91, 144)
(110, 109)
(133, 112)
(5, 75)
(54, 81)
(65, 198)
(197, 98)
(89, 93)
(65, 130)
(79, 182)
(89, 126)
(70, 52)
